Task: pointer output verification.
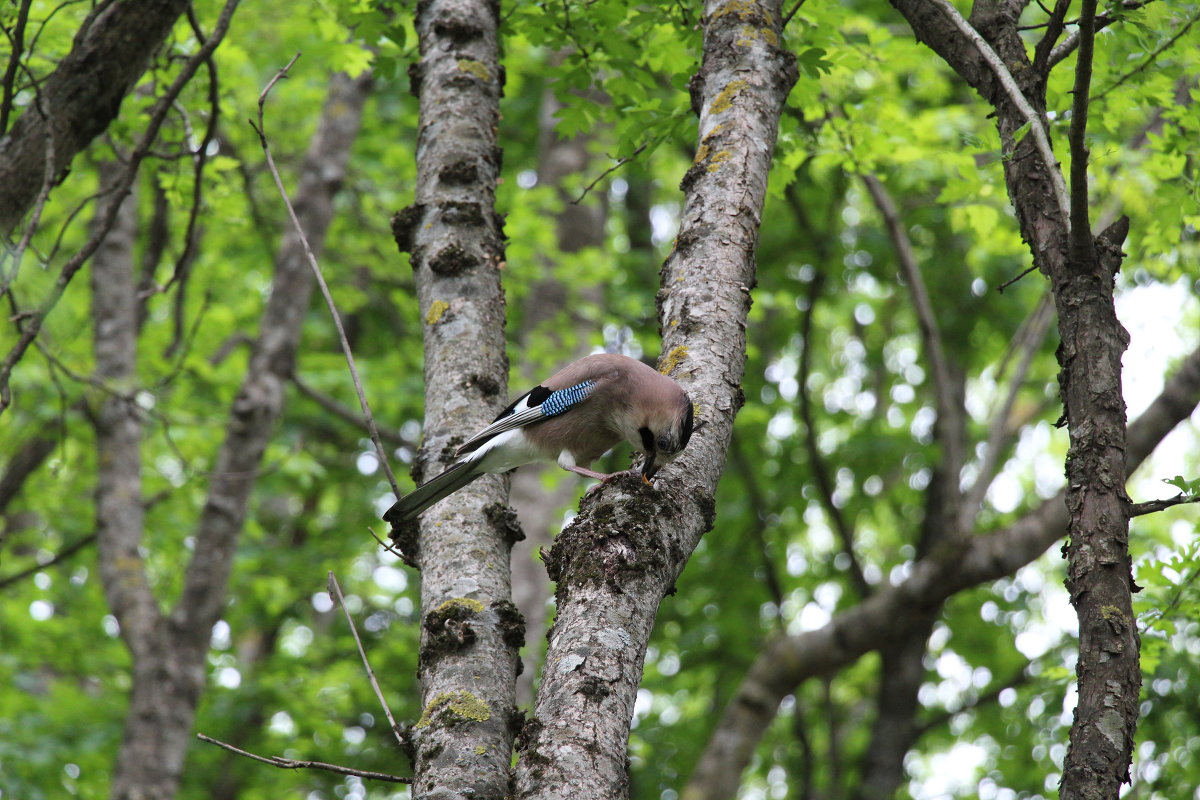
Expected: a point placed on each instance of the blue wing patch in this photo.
(563, 399)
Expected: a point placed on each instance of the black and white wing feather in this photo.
(535, 405)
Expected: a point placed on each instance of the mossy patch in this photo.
(453, 708)
(717, 159)
(724, 100)
(436, 310)
(465, 603)
(673, 359)
(476, 68)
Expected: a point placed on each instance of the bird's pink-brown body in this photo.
(573, 417)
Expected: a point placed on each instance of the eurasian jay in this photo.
(576, 416)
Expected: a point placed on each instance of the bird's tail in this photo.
(412, 504)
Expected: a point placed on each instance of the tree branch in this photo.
(62, 555)
(85, 92)
(950, 422)
(121, 187)
(290, 763)
(1037, 125)
(1029, 338)
(1082, 246)
(816, 459)
(1153, 506)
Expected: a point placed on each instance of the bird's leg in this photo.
(600, 476)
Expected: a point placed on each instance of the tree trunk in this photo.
(169, 669)
(470, 629)
(617, 560)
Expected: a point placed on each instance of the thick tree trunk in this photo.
(614, 564)
(169, 669)
(990, 53)
(80, 98)
(470, 630)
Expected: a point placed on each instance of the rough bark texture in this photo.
(1081, 272)
(81, 97)
(471, 631)
(617, 560)
(169, 669)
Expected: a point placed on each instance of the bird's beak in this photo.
(649, 469)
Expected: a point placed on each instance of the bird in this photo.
(573, 417)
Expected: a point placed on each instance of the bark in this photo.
(471, 631)
(169, 669)
(1081, 271)
(81, 97)
(892, 613)
(617, 560)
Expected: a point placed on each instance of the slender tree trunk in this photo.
(169, 668)
(617, 560)
(471, 630)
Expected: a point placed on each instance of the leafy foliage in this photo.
(837, 367)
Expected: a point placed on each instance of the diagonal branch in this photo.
(1029, 339)
(1037, 124)
(950, 422)
(624, 552)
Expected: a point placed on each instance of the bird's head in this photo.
(665, 435)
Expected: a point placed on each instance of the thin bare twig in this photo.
(291, 763)
(1151, 506)
(385, 545)
(368, 418)
(61, 555)
(1011, 281)
(620, 163)
(336, 591)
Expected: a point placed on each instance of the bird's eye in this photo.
(665, 444)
